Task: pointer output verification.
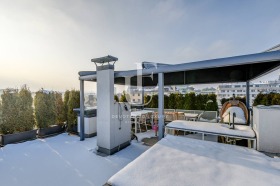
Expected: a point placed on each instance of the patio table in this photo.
(218, 129)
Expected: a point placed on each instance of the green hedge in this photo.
(267, 99)
(73, 102)
(16, 111)
(65, 103)
(45, 109)
(189, 101)
(59, 108)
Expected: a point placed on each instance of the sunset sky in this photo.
(45, 43)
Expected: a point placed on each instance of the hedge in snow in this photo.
(45, 108)
(73, 102)
(267, 99)
(16, 111)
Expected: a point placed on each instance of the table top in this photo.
(139, 112)
(214, 128)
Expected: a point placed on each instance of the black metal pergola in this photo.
(243, 68)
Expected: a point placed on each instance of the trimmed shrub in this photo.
(123, 97)
(267, 99)
(147, 101)
(154, 101)
(201, 101)
(211, 105)
(65, 103)
(258, 99)
(190, 101)
(26, 112)
(9, 111)
(179, 101)
(166, 101)
(171, 101)
(73, 102)
(1, 119)
(16, 111)
(275, 100)
(45, 109)
(116, 98)
(59, 108)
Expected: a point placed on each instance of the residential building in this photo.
(239, 89)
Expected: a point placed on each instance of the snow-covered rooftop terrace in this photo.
(175, 160)
(61, 160)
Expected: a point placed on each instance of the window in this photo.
(237, 86)
(133, 100)
(239, 90)
(138, 94)
(252, 90)
(138, 100)
(233, 90)
(222, 90)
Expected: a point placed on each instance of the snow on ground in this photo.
(61, 160)
(148, 134)
(179, 161)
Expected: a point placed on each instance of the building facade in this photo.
(239, 89)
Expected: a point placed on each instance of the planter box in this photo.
(266, 123)
(50, 131)
(18, 137)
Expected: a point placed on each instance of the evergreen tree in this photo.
(116, 98)
(190, 100)
(172, 101)
(200, 102)
(147, 101)
(166, 101)
(25, 114)
(59, 107)
(276, 100)
(73, 102)
(179, 101)
(65, 103)
(45, 109)
(211, 104)
(154, 102)
(1, 117)
(258, 99)
(123, 97)
(10, 116)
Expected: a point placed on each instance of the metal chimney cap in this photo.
(105, 59)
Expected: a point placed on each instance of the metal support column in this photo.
(160, 105)
(248, 100)
(82, 109)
